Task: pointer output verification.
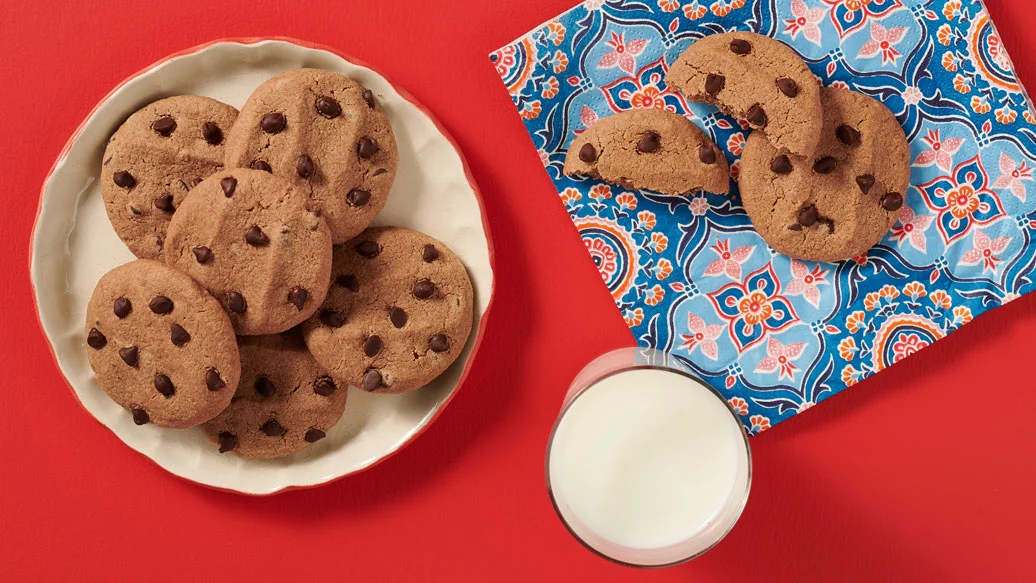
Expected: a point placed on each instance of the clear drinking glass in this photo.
(739, 475)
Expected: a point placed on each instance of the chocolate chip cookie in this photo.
(842, 200)
(155, 157)
(398, 313)
(757, 79)
(329, 136)
(649, 148)
(160, 346)
(248, 237)
(284, 403)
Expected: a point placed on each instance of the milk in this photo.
(647, 460)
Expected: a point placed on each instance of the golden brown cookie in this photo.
(248, 237)
(329, 136)
(398, 313)
(160, 345)
(649, 148)
(284, 403)
(757, 79)
(155, 157)
(839, 202)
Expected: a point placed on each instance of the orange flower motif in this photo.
(962, 201)
(949, 62)
(736, 143)
(646, 219)
(951, 9)
(531, 110)
(849, 375)
(626, 200)
(694, 10)
(854, 322)
(739, 405)
(945, 35)
(755, 307)
(648, 97)
(663, 269)
(570, 195)
(722, 8)
(550, 88)
(1029, 117)
(1006, 115)
(980, 105)
(659, 241)
(601, 192)
(759, 423)
(915, 289)
(735, 170)
(889, 291)
(871, 301)
(960, 83)
(653, 296)
(941, 299)
(668, 5)
(556, 33)
(962, 313)
(633, 317)
(847, 348)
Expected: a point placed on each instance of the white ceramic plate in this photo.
(74, 245)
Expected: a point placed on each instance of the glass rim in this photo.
(590, 383)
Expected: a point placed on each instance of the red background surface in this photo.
(924, 472)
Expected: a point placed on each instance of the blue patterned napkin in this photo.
(691, 276)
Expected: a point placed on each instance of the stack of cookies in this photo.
(822, 177)
(261, 292)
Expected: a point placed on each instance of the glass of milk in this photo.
(647, 465)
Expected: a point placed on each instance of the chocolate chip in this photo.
(328, 107)
(95, 339)
(368, 96)
(264, 387)
(825, 165)
(273, 123)
(649, 142)
(272, 428)
(366, 147)
(260, 165)
(255, 236)
(788, 86)
(161, 305)
(357, 197)
(429, 253)
(795, 227)
(808, 216)
(848, 135)
(236, 302)
(228, 184)
(371, 379)
(213, 381)
(324, 386)
(830, 224)
(140, 416)
(164, 385)
(423, 289)
(372, 345)
(202, 254)
(165, 203)
(212, 133)
(588, 153)
(756, 115)
(740, 47)
(196, 181)
(135, 210)
(124, 179)
(129, 355)
(439, 343)
(398, 317)
(349, 282)
(332, 319)
(178, 335)
(865, 182)
(122, 307)
(164, 126)
(892, 201)
(714, 83)
(304, 166)
(368, 249)
(227, 441)
(314, 435)
(781, 165)
(706, 154)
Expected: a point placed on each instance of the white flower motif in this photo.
(912, 96)
(1012, 176)
(940, 152)
(779, 358)
(805, 282)
(985, 251)
(806, 21)
(911, 227)
(699, 206)
(883, 41)
(702, 335)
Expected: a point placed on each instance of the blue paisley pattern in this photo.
(691, 276)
